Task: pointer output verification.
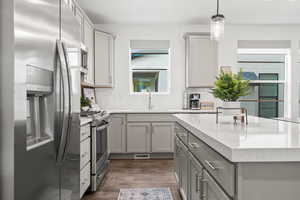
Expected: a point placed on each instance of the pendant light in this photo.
(217, 23)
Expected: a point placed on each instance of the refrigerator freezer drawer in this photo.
(85, 178)
(85, 152)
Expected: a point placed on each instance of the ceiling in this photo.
(191, 11)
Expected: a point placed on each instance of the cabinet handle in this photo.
(181, 135)
(194, 145)
(84, 133)
(204, 189)
(211, 165)
(198, 182)
(84, 154)
(82, 184)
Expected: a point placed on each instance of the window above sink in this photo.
(149, 67)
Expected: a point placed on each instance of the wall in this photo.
(119, 97)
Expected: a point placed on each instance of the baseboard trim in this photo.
(119, 156)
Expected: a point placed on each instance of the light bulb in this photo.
(217, 24)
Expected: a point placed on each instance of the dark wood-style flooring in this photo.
(136, 174)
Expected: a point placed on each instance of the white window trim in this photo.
(288, 67)
(263, 51)
(168, 68)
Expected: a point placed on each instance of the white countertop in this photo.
(85, 120)
(262, 140)
(156, 111)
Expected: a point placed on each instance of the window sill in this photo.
(147, 93)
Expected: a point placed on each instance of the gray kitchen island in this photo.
(258, 161)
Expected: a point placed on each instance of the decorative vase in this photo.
(231, 104)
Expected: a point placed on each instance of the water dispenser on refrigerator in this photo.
(39, 87)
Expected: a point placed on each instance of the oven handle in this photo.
(100, 128)
(94, 149)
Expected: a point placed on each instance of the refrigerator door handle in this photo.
(64, 127)
(68, 131)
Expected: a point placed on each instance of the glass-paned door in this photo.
(268, 96)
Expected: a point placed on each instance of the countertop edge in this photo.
(244, 155)
(85, 120)
(161, 112)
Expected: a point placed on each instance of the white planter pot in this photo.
(231, 104)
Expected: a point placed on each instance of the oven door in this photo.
(99, 147)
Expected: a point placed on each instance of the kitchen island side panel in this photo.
(268, 181)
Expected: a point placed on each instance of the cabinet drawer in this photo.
(211, 190)
(221, 169)
(85, 131)
(85, 155)
(181, 133)
(150, 118)
(85, 179)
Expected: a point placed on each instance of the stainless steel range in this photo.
(99, 151)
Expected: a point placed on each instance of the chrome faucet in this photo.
(150, 106)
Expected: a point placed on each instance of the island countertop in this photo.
(262, 140)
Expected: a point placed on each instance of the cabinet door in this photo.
(89, 43)
(138, 137)
(117, 135)
(177, 160)
(79, 17)
(103, 59)
(195, 178)
(184, 171)
(201, 61)
(162, 137)
(211, 190)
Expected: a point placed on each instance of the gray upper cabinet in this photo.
(80, 19)
(87, 39)
(117, 134)
(201, 60)
(104, 59)
(162, 137)
(89, 43)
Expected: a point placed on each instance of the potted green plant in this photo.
(85, 103)
(229, 87)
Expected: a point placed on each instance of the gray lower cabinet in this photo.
(201, 175)
(183, 169)
(117, 134)
(195, 178)
(176, 159)
(162, 137)
(221, 169)
(211, 190)
(141, 133)
(138, 137)
(204, 174)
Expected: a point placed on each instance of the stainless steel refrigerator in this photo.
(41, 57)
